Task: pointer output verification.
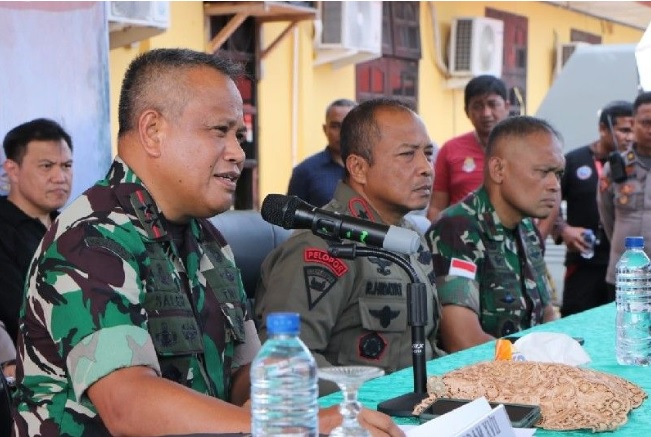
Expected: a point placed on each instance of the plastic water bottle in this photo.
(633, 304)
(590, 240)
(284, 382)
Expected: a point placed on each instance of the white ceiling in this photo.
(635, 14)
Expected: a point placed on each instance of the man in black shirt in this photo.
(584, 285)
(39, 169)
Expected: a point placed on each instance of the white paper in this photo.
(458, 421)
(494, 424)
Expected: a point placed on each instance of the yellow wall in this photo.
(186, 30)
(287, 137)
(292, 101)
(442, 108)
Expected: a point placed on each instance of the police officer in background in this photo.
(624, 196)
(585, 284)
(355, 312)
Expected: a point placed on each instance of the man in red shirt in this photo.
(460, 162)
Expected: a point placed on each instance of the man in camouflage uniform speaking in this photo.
(355, 312)
(132, 283)
(488, 256)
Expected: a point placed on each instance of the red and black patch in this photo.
(372, 346)
(147, 214)
(318, 281)
(360, 209)
(320, 256)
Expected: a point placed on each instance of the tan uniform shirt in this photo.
(353, 312)
(625, 207)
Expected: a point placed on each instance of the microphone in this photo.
(290, 212)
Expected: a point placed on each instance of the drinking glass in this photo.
(349, 379)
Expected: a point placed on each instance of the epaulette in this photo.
(629, 157)
(629, 163)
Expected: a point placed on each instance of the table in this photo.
(596, 326)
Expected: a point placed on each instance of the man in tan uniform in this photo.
(355, 312)
(624, 197)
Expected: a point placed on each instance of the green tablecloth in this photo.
(596, 326)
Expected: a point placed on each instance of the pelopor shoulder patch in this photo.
(320, 256)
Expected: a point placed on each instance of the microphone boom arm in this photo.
(417, 318)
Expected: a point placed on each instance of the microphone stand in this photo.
(417, 317)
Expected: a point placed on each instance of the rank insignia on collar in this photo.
(360, 209)
(630, 156)
(147, 213)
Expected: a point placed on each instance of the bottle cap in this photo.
(634, 242)
(283, 323)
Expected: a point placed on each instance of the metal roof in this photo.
(634, 14)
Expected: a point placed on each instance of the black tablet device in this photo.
(521, 416)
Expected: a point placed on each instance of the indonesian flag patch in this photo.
(460, 267)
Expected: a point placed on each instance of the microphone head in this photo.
(401, 240)
(280, 210)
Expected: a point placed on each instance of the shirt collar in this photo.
(487, 214)
(359, 207)
(135, 199)
(14, 215)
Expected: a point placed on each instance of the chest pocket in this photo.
(501, 300)
(171, 321)
(225, 285)
(503, 284)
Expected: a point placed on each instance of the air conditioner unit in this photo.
(476, 46)
(134, 21)
(348, 32)
(563, 53)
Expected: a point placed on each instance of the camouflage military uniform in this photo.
(109, 289)
(625, 207)
(477, 266)
(352, 311)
